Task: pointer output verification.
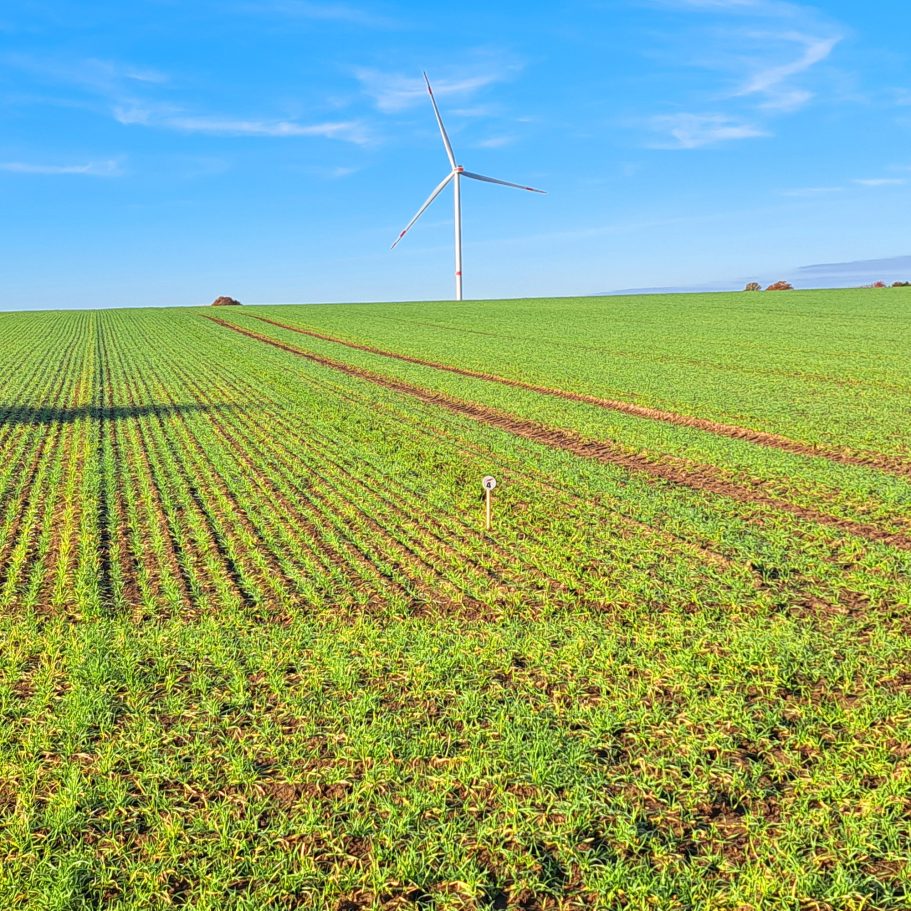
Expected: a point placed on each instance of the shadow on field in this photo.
(46, 414)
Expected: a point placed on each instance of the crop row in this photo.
(48, 548)
(207, 472)
(302, 485)
(808, 368)
(843, 550)
(856, 494)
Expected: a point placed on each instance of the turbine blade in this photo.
(439, 189)
(436, 111)
(502, 183)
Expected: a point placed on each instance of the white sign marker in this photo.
(488, 484)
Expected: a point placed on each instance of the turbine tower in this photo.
(454, 176)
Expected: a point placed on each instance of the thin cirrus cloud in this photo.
(789, 39)
(395, 92)
(869, 183)
(93, 75)
(811, 192)
(772, 82)
(107, 168)
(694, 131)
(128, 92)
(214, 125)
(495, 142)
(881, 182)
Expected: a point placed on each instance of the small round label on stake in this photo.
(489, 483)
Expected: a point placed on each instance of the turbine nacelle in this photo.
(454, 176)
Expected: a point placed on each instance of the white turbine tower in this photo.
(455, 175)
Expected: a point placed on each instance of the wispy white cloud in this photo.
(880, 181)
(771, 82)
(155, 77)
(787, 101)
(108, 168)
(394, 92)
(694, 131)
(801, 192)
(763, 50)
(95, 75)
(128, 93)
(496, 142)
(333, 172)
(347, 130)
(216, 125)
(869, 183)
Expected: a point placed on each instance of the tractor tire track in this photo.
(808, 377)
(879, 461)
(701, 479)
(467, 533)
(433, 551)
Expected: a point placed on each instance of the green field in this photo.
(258, 650)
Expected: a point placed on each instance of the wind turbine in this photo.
(454, 176)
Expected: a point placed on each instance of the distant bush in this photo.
(781, 286)
(225, 302)
(753, 286)
(901, 284)
(878, 285)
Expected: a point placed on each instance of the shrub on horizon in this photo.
(780, 286)
(753, 286)
(224, 301)
(901, 284)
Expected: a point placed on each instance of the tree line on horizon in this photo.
(787, 286)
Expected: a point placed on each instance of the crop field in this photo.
(258, 650)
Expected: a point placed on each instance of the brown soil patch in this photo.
(702, 478)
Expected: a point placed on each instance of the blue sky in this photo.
(158, 153)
